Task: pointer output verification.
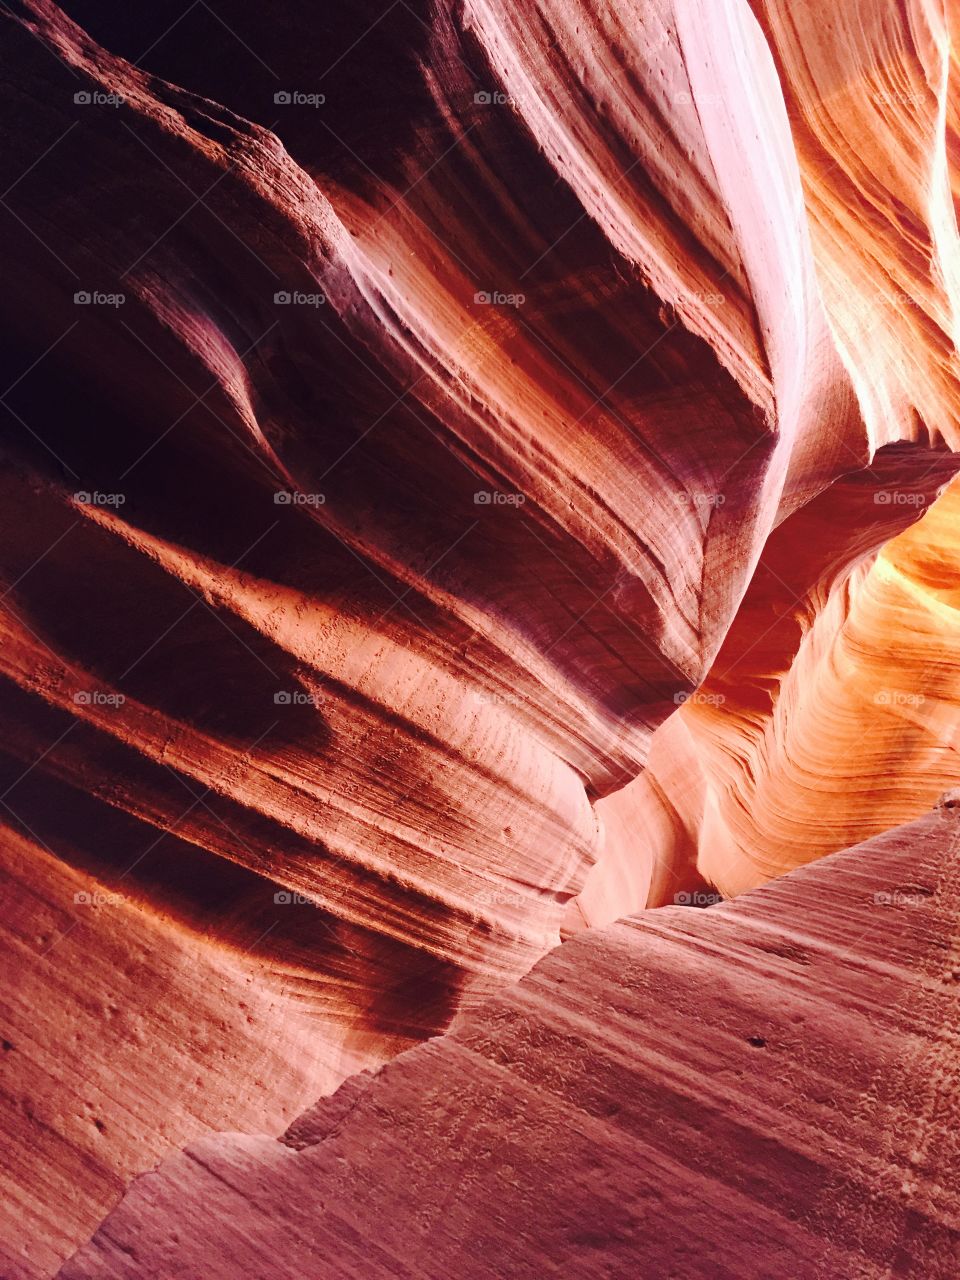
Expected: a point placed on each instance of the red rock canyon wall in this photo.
(461, 473)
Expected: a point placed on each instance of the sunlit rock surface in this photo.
(418, 420)
(831, 710)
(775, 760)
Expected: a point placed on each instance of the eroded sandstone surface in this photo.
(768, 1087)
(462, 479)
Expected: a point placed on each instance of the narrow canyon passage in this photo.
(478, 480)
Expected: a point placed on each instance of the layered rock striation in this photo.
(446, 451)
(765, 1087)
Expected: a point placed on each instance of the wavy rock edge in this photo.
(763, 1087)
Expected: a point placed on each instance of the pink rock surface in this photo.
(763, 1088)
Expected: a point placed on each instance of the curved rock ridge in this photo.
(872, 98)
(395, 436)
(604, 1118)
(827, 715)
(808, 737)
(865, 727)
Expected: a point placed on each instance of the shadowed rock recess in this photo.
(472, 472)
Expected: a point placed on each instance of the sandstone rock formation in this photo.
(826, 716)
(769, 1087)
(446, 452)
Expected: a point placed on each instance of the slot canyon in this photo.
(480, 665)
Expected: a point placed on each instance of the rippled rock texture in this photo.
(446, 452)
(768, 1087)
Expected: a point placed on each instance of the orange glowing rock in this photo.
(462, 465)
